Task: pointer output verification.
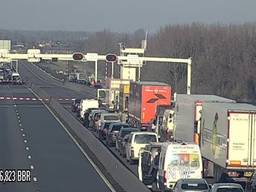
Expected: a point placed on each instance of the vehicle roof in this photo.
(110, 114)
(119, 123)
(227, 185)
(129, 128)
(14, 73)
(234, 107)
(193, 180)
(204, 98)
(152, 83)
(144, 133)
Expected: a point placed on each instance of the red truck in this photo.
(144, 98)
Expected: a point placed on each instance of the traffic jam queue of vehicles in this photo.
(178, 141)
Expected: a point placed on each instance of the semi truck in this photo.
(110, 96)
(144, 98)
(228, 140)
(187, 114)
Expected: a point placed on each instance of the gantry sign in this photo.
(35, 56)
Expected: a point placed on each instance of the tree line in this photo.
(223, 56)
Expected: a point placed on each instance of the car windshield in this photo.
(185, 159)
(119, 126)
(111, 117)
(229, 189)
(144, 138)
(194, 186)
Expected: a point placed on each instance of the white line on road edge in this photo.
(34, 179)
(78, 145)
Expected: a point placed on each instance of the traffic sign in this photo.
(111, 58)
(78, 56)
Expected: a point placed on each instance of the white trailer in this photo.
(86, 104)
(228, 142)
(187, 114)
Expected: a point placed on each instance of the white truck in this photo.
(86, 104)
(15, 78)
(187, 114)
(228, 140)
(110, 96)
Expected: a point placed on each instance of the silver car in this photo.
(227, 187)
(191, 185)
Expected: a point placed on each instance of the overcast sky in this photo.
(120, 15)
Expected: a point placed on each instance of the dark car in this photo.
(76, 105)
(227, 187)
(122, 139)
(191, 185)
(113, 131)
(103, 129)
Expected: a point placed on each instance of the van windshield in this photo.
(144, 139)
(111, 117)
(187, 160)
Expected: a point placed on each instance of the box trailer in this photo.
(187, 114)
(228, 139)
(143, 101)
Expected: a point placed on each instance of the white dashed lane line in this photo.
(27, 148)
(29, 157)
(34, 179)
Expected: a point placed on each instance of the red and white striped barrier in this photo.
(33, 98)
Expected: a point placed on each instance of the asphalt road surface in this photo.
(32, 140)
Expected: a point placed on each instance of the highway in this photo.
(31, 138)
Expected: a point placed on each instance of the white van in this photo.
(137, 141)
(178, 161)
(86, 104)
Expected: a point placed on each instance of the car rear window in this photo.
(144, 138)
(106, 125)
(111, 117)
(225, 189)
(118, 127)
(194, 186)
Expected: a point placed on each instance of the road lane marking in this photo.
(81, 149)
(29, 157)
(23, 135)
(31, 167)
(34, 179)
(27, 148)
(25, 141)
(22, 129)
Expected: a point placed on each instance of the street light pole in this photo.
(112, 72)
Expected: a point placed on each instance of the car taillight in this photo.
(165, 178)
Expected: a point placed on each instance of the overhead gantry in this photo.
(126, 61)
